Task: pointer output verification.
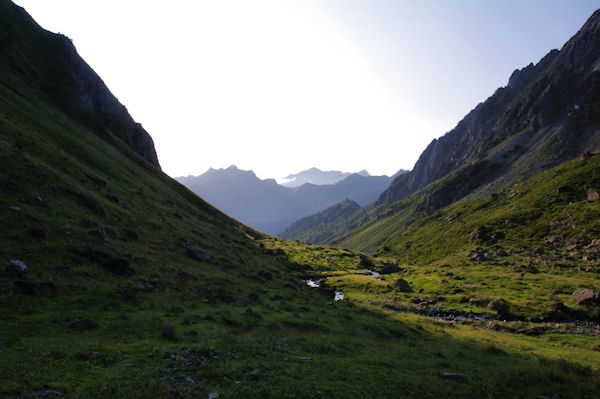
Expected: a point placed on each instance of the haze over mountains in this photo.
(271, 207)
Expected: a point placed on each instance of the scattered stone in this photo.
(417, 300)
(47, 393)
(80, 304)
(327, 292)
(111, 263)
(531, 269)
(402, 285)
(585, 296)
(501, 307)
(38, 289)
(100, 234)
(83, 325)
(479, 254)
(477, 301)
(389, 268)
(453, 376)
(15, 208)
(197, 254)
(37, 233)
(329, 259)
(593, 196)
(90, 203)
(365, 263)
(16, 268)
(168, 330)
(265, 274)
(255, 374)
(213, 395)
(251, 312)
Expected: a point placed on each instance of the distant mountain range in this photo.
(271, 207)
(321, 177)
(547, 114)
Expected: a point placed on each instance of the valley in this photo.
(467, 281)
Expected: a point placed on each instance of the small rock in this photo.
(213, 395)
(531, 269)
(197, 254)
(16, 268)
(593, 196)
(453, 376)
(47, 393)
(80, 303)
(83, 325)
(418, 299)
(37, 233)
(477, 301)
(168, 330)
(15, 208)
(255, 374)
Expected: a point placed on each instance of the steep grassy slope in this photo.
(115, 248)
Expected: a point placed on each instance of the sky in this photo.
(279, 86)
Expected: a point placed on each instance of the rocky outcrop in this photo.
(548, 113)
(50, 62)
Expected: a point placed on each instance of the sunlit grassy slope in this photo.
(105, 236)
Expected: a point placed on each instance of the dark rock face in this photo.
(51, 62)
(547, 113)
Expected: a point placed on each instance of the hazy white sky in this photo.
(280, 86)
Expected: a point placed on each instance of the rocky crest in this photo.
(547, 113)
(50, 61)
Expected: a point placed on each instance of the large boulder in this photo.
(389, 268)
(197, 254)
(16, 268)
(402, 285)
(366, 263)
(585, 296)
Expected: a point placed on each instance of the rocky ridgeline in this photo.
(69, 81)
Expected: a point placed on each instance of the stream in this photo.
(339, 295)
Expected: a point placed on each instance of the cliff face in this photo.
(554, 102)
(51, 62)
